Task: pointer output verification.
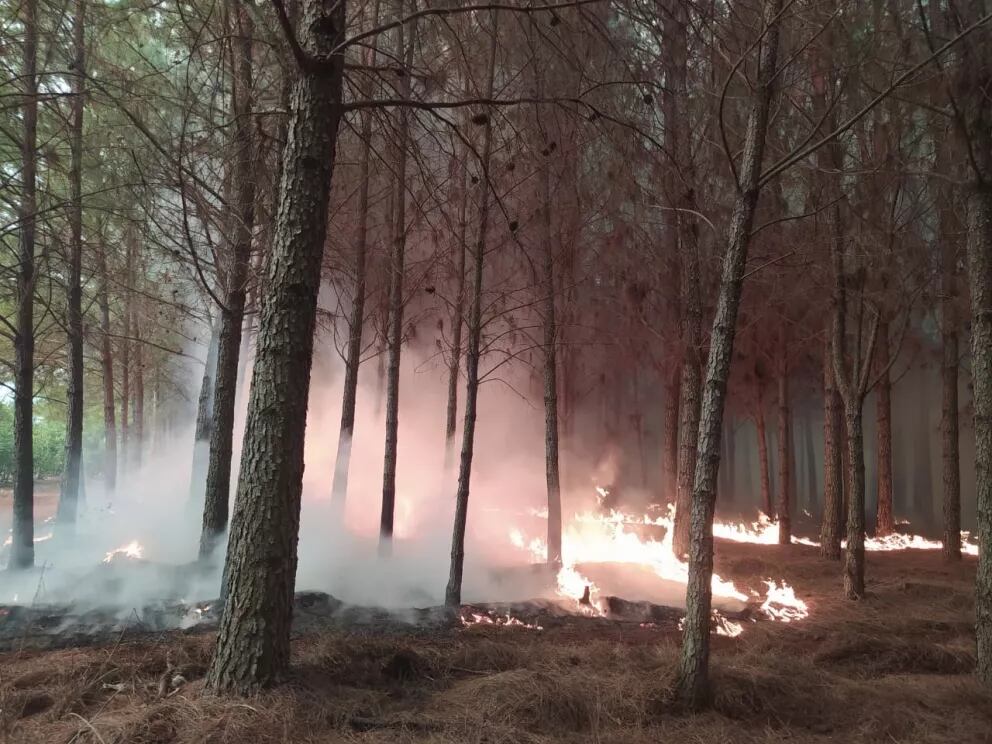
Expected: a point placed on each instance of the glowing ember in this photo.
(782, 604)
(132, 550)
(503, 621)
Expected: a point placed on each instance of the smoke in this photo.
(337, 553)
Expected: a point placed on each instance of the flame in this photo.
(765, 532)
(132, 550)
(782, 604)
(503, 621)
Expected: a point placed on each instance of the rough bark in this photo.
(692, 686)
(107, 365)
(126, 360)
(670, 441)
(356, 319)
(785, 456)
(204, 421)
(854, 555)
(980, 283)
(397, 267)
(763, 464)
(885, 522)
(453, 591)
(70, 488)
(682, 236)
(22, 528)
(833, 487)
(253, 640)
(138, 412)
(218, 488)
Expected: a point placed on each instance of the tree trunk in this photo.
(126, 361)
(107, 364)
(218, 489)
(692, 686)
(403, 51)
(204, 422)
(948, 227)
(683, 239)
(763, 466)
(885, 523)
(454, 364)
(980, 283)
(670, 446)
(22, 538)
(69, 496)
(784, 452)
(453, 592)
(138, 440)
(854, 556)
(253, 640)
(833, 485)
(342, 460)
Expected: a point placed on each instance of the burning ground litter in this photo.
(895, 667)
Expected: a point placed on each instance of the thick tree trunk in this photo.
(854, 555)
(356, 320)
(218, 489)
(22, 538)
(980, 283)
(107, 364)
(403, 51)
(453, 592)
(126, 362)
(763, 464)
(784, 454)
(682, 236)
(253, 641)
(670, 441)
(885, 522)
(833, 485)
(692, 686)
(204, 422)
(70, 491)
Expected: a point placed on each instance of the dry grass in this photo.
(893, 668)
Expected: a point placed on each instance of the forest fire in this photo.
(132, 550)
(472, 619)
(610, 538)
(764, 531)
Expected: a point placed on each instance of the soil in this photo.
(895, 667)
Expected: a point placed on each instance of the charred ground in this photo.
(897, 666)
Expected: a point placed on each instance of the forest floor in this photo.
(896, 667)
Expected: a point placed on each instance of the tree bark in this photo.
(453, 592)
(692, 686)
(785, 454)
(126, 358)
(403, 51)
(854, 556)
(22, 538)
(138, 438)
(980, 282)
(204, 421)
(763, 465)
(356, 320)
(107, 365)
(218, 488)
(70, 490)
(253, 640)
(833, 486)
(885, 523)
(682, 232)
(454, 364)
(670, 445)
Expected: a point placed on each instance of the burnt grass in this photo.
(895, 667)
